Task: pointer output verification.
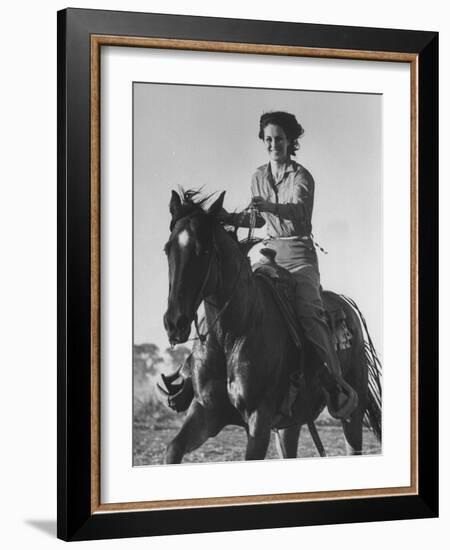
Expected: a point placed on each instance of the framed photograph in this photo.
(247, 274)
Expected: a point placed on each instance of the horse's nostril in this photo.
(176, 326)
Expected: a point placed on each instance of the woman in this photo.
(283, 194)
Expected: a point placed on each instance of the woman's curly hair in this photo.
(288, 122)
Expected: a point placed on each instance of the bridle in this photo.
(203, 337)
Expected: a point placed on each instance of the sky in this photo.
(207, 136)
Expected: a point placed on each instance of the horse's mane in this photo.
(193, 201)
(244, 244)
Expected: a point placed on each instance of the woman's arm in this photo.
(241, 219)
(300, 208)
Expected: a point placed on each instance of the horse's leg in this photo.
(316, 438)
(353, 427)
(287, 441)
(200, 424)
(258, 434)
(354, 433)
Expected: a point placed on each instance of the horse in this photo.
(241, 368)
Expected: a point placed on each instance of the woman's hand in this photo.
(262, 205)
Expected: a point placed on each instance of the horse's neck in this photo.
(235, 289)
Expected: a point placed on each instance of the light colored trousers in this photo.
(311, 314)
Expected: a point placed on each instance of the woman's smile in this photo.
(276, 142)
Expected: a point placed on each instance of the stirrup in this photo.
(344, 412)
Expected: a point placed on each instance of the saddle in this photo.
(282, 285)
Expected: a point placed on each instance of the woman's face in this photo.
(276, 143)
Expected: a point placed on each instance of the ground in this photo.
(154, 427)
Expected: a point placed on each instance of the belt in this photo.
(293, 238)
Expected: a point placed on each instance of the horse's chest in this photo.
(208, 377)
(241, 375)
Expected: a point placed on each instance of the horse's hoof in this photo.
(170, 378)
(180, 401)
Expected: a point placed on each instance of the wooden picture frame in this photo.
(81, 35)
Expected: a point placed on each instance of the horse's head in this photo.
(189, 251)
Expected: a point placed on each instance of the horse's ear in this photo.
(175, 204)
(217, 205)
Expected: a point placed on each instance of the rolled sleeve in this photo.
(254, 186)
(299, 210)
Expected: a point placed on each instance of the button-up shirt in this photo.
(293, 195)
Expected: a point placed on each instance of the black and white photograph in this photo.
(224, 275)
(257, 273)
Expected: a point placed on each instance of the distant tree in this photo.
(146, 349)
(146, 358)
(178, 354)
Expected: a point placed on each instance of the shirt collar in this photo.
(291, 167)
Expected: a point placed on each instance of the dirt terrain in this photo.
(154, 428)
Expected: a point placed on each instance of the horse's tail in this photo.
(372, 415)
